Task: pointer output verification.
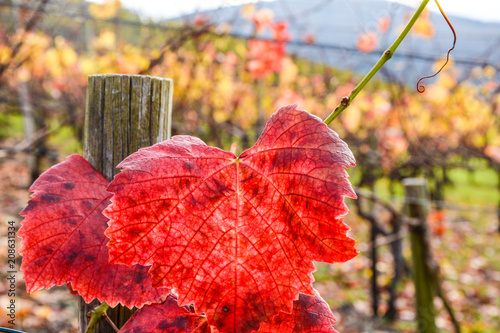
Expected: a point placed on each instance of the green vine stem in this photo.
(346, 101)
(96, 316)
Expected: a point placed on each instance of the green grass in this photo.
(63, 139)
(11, 126)
(476, 187)
(473, 187)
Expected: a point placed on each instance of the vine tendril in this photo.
(421, 87)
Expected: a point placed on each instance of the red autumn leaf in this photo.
(437, 222)
(493, 153)
(280, 31)
(262, 19)
(63, 239)
(310, 314)
(384, 23)
(166, 317)
(235, 235)
(367, 42)
(309, 39)
(265, 57)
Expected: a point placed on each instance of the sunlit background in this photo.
(233, 64)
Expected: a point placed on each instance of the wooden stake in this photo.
(422, 275)
(124, 113)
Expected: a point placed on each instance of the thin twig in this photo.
(370, 218)
(382, 241)
(110, 322)
(360, 192)
(449, 309)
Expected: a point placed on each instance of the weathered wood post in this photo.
(423, 277)
(124, 113)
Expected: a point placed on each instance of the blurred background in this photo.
(233, 64)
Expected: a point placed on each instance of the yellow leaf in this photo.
(107, 10)
(5, 54)
(220, 116)
(424, 27)
(352, 119)
(248, 10)
(155, 53)
(489, 71)
(439, 63)
(43, 311)
(52, 62)
(67, 55)
(288, 72)
(23, 74)
(88, 66)
(105, 41)
(447, 80)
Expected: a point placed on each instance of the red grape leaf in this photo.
(236, 236)
(310, 314)
(63, 239)
(166, 317)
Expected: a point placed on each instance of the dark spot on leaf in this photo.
(176, 324)
(32, 205)
(138, 278)
(225, 309)
(188, 165)
(90, 258)
(72, 256)
(88, 205)
(51, 178)
(69, 185)
(49, 198)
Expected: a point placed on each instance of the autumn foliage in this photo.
(265, 56)
(236, 236)
(225, 89)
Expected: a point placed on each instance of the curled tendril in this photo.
(421, 87)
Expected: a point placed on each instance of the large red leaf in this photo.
(63, 239)
(236, 236)
(311, 314)
(166, 317)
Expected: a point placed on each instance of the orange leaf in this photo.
(424, 27)
(367, 42)
(384, 24)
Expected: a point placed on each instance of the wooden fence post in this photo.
(423, 277)
(124, 113)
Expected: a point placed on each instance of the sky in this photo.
(485, 10)
(162, 9)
